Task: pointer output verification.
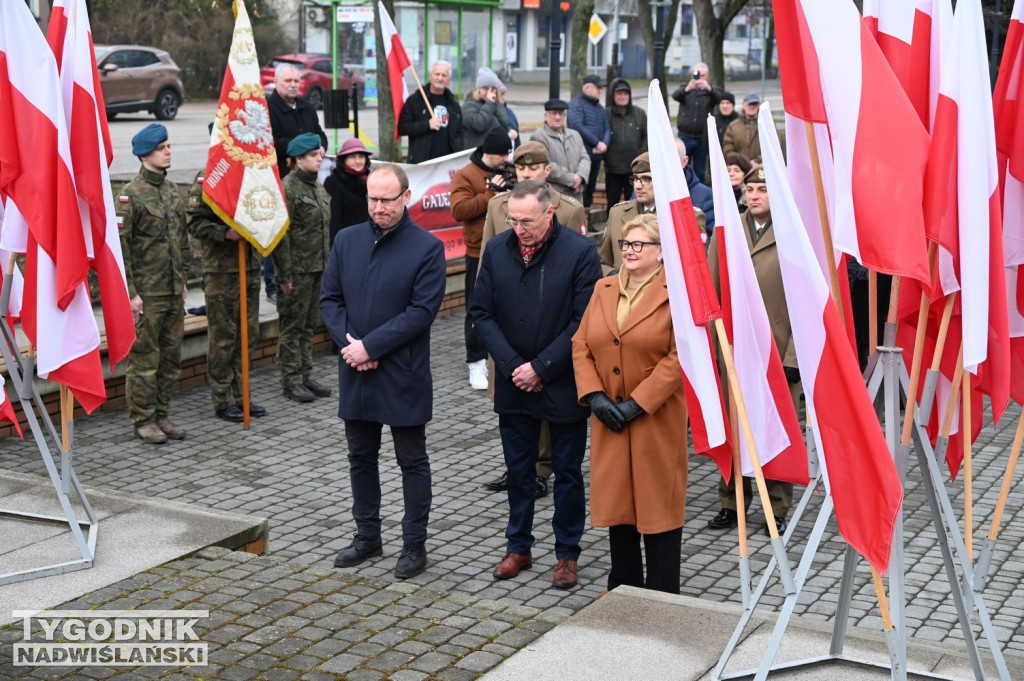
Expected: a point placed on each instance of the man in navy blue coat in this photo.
(534, 284)
(381, 290)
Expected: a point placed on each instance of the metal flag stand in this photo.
(21, 370)
(886, 371)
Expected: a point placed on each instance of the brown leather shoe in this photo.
(565, 574)
(169, 429)
(511, 564)
(151, 434)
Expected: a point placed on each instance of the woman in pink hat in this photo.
(347, 186)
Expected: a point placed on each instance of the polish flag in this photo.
(398, 61)
(691, 292)
(13, 311)
(879, 145)
(70, 38)
(908, 33)
(963, 208)
(773, 419)
(7, 409)
(1009, 124)
(856, 466)
(42, 209)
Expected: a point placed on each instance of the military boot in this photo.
(151, 434)
(169, 429)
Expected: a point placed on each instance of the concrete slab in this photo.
(638, 634)
(135, 533)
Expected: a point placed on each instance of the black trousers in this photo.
(475, 350)
(663, 552)
(588, 189)
(617, 187)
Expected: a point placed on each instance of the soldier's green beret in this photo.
(145, 140)
(302, 144)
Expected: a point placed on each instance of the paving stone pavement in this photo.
(291, 615)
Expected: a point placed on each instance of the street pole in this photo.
(993, 65)
(659, 43)
(555, 72)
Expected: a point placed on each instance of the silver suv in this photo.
(139, 78)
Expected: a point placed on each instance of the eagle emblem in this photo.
(252, 125)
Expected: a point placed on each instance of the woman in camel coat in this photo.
(627, 370)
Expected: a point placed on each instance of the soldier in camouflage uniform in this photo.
(223, 304)
(299, 261)
(154, 244)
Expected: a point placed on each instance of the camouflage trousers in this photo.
(224, 357)
(154, 363)
(298, 317)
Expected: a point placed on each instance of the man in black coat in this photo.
(381, 290)
(437, 135)
(290, 116)
(535, 282)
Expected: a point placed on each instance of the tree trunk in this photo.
(386, 142)
(711, 34)
(769, 41)
(580, 41)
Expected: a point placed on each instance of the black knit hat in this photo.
(496, 141)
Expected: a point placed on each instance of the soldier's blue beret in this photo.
(145, 140)
(302, 144)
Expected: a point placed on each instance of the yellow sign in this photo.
(598, 29)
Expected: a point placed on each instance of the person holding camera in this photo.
(697, 99)
(472, 188)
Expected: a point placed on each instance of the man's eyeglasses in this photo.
(645, 180)
(525, 224)
(373, 200)
(636, 246)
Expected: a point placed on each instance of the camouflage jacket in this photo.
(304, 247)
(220, 255)
(154, 244)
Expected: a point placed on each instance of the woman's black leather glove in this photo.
(606, 411)
(629, 410)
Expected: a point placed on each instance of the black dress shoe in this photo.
(361, 549)
(780, 523)
(725, 519)
(499, 485)
(256, 410)
(299, 393)
(412, 562)
(232, 413)
(318, 389)
(541, 489)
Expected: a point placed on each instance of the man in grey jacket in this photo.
(570, 164)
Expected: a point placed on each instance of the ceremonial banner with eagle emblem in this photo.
(242, 184)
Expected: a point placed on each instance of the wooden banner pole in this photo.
(243, 310)
(826, 230)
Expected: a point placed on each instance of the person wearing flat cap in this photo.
(472, 189)
(482, 110)
(741, 136)
(299, 262)
(221, 283)
(765, 256)
(587, 117)
(532, 163)
(154, 245)
(567, 153)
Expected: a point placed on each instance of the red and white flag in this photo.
(691, 292)
(242, 182)
(7, 409)
(962, 204)
(773, 419)
(856, 466)
(42, 209)
(879, 145)
(13, 311)
(398, 62)
(909, 34)
(70, 38)
(1009, 124)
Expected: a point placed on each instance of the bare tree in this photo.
(386, 142)
(580, 41)
(711, 33)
